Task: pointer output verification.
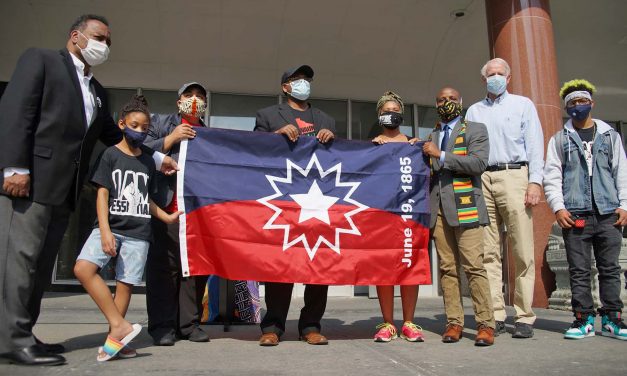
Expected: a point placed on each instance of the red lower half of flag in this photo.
(229, 239)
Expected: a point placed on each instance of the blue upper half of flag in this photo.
(226, 165)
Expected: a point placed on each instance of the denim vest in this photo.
(576, 180)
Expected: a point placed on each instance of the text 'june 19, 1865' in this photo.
(406, 208)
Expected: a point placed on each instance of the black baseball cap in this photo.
(304, 69)
(190, 84)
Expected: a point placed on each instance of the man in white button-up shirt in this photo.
(512, 185)
(51, 114)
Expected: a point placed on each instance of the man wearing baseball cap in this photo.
(174, 303)
(294, 119)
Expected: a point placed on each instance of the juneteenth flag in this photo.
(259, 207)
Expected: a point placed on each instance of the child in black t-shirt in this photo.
(124, 177)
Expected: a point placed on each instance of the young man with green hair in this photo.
(585, 182)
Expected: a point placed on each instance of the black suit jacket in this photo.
(43, 126)
(273, 118)
(472, 165)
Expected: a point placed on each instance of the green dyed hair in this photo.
(577, 85)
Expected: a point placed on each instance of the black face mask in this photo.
(449, 110)
(390, 120)
(134, 138)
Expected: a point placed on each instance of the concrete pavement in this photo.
(73, 319)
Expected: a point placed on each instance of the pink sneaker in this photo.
(386, 333)
(412, 332)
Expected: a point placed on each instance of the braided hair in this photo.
(390, 96)
(138, 103)
(577, 85)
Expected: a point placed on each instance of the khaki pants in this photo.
(504, 193)
(462, 246)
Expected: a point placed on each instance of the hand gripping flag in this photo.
(259, 207)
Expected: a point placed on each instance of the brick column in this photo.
(521, 32)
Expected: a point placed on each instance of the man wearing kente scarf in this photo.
(459, 155)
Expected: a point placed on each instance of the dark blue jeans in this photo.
(605, 239)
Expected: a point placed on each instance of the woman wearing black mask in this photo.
(390, 111)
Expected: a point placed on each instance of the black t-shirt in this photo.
(130, 181)
(304, 122)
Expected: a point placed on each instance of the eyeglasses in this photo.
(578, 102)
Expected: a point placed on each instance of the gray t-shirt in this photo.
(129, 180)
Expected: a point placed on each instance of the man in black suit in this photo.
(51, 114)
(294, 119)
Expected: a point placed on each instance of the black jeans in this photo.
(605, 239)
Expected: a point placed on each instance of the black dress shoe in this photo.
(197, 335)
(53, 348)
(166, 339)
(34, 355)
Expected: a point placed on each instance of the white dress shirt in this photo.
(88, 95)
(514, 131)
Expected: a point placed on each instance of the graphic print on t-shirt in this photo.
(130, 200)
(306, 129)
(587, 153)
(587, 140)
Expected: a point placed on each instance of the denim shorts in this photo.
(131, 258)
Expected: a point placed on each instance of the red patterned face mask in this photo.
(192, 106)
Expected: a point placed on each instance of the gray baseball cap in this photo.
(190, 84)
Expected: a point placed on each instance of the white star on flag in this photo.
(314, 204)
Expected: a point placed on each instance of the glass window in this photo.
(233, 111)
(365, 124)
(337, 110)
(427, 119)
(161, 101)
(364, 120)
(118, 98)
(408, 121)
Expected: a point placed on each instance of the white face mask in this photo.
(496, 84)
(95, 53)
(300, 89)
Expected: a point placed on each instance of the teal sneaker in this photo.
(582, 327)
(612, 325)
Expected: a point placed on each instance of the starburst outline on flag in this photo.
(311, 251)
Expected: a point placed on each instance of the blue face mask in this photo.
(300, 89)
(579, 112)
(134, 138)
(496, 84)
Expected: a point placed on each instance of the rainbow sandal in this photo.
(112, 346)
(127, 352)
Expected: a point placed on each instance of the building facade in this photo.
(358, 49)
